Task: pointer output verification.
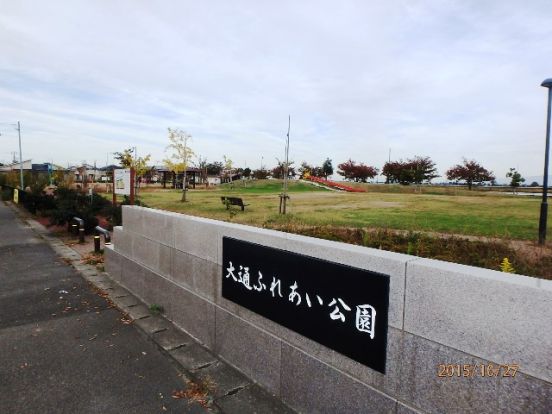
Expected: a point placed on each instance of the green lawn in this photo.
(430, 208)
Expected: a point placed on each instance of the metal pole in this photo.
(286, 168)
(20, 157)
(284, 196)
(132, 178)
(544, 204)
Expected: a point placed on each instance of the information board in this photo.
(341, 307)
(121, 181)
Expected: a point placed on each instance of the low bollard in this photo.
(96, 244)
(107, 238)
(74, 229)
(80, 231)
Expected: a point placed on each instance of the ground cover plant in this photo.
(478, 228)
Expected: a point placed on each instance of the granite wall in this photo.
(439, 313)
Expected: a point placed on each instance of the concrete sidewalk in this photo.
(64, 348)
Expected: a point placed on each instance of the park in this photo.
(275, 208)
(486, 226)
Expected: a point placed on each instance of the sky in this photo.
(360, 80)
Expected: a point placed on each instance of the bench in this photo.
(234, 201)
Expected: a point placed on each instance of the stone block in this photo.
(104, 285)
(132, 276)
(523, 394)
(253, 351)
(171, 338)
(252, 399)
(138, 312)
(392, 264)
(145, 251)
(198, 275)
(496, 316)
(116, 230)
(126, 301)
(309, 385)
(132, 218)
(122, 241)
(158, 225)
(424, 390)
(225, 379)
(191, 313)
(119, 292)
(156, 289)
(193, 357)
(165, 260)
(196, 236)
(386, 383)
(153, 324)
(112, 263)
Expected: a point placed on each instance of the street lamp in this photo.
(547, 83)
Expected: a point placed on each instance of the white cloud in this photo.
(444, 79)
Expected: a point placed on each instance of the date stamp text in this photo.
(477, 370)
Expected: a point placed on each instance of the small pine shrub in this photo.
(506, 266)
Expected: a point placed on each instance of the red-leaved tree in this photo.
(471, 172)
(359, 173)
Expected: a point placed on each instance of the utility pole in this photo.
(18, 127)
(20, 156)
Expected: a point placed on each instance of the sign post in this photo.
(132, 185)
(123, 184)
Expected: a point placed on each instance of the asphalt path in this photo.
(63, 349)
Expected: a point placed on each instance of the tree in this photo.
(471, 172)
(227, 169)
(128, 159)
(181, 156)
(423, 169)
(412, 171)
(305, 170)
(214, 168)
(352, 171)
(247, 172)
(202, 167)
(534, 184)
(260, 174)
(327, 168)
(279, 170)
(516, 178)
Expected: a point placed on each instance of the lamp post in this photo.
(547, 83)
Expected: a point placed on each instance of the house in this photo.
(16, 166)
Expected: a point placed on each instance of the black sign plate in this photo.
(338, 306)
